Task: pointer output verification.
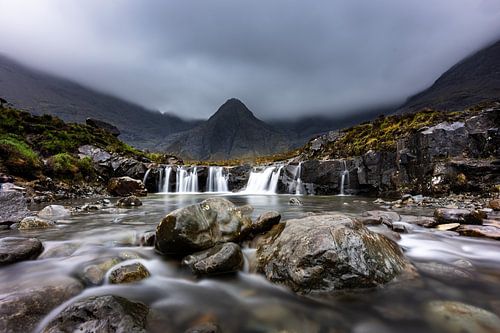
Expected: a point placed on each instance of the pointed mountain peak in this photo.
(233, 108)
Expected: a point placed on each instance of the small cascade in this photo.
(165, 186)
(146, 176)
(217, 181)
(187, 181)
(160, 179)
(299, 187)
(263, 182)
(344, 178)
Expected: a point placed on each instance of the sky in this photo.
(282, 58)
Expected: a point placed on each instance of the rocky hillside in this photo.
(474, 80)
(232, 132)
(41, 93)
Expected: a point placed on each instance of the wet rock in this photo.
(204, 328)
(220, 259)
(448, 226)
(126, 186)
(295, 202)
(22, 310)
(427, 222)
(374, 217)
(456, 317)
(494, 204)
(200, 226)
(131, 201)
(60, 250)
(129, 273)
(14, 249)
(34, 222)
(54, 212)
(147, 238)
(479, 231)
(326, 253)
(13, 207)
(443, 272)
(462, 216)
(101, 314)
(264, 222)
(93, 274)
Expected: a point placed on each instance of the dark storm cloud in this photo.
(282, 58)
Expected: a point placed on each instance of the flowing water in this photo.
(247, 302)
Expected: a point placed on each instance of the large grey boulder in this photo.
(14, 249)
(54, 212)
(325, 253)
(12, 207)
(101, 314)
(454, 215)
(220, 259)
(201, 226)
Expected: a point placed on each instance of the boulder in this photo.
(455, 215)
(374, 217)
(220, 259)
(22, 310)
(97, 155)
(112, 129)
(54, 212)
(201, 226)
(147, 238)
(487, 231)
(101, 314)
(325, 253)
(128, 273)
(34, 222)
(14, 249)
(295, 202)
(126, 186)
(13, 207)
(131, 201)
(264, 222)
(494, 204)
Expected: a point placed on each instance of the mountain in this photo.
(473, 80)
(232, 132)
(40, 93)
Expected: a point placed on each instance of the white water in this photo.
(263, 182)
(146, 176)
(217, 181)
(187, 180)
(165, 186)
(344, 178)
(299, 187)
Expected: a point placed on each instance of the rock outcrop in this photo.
(126, 186)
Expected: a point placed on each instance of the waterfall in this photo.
(146, 176)
(216, 181)
(264, 182)
(165, 186)
(160, 180)
(299, 187)
(344, 177)
(187, 181)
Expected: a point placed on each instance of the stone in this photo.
(112, 129)
(13, 207)
(426, 222)
(200, 226)
(456, 317)
(264, 222)
(374, 217)
(54, 212)
(462, 216)
(295, 202)
(14, 249)
(96, 154)
(129, 273)
(131, 201)
(126, 186)
(487, 231)
(204, 328)
(326, 253)
(34, 222)
(494, 204)
(447, 226)
(147, 238)
(220, 259)
(21, 310)
(101, 314)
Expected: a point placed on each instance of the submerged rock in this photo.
(131, 201)
(200, 226)
(220, 259)
(126, 186)
(101, 314)
(34, 222)
(53, 212)
(479, 231)
(13, 207)
(295, 202)
(326, 253)
(373, 217)
(14, 249)
(454, 215)
(129, 273)
(456, 317)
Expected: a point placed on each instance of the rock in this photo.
(113, 130)
(96, 154)
(129, 273)
(93, 274)
(34, 222)
(147, 238)
(265, 222)
(22, 310)
(200, 226)
(220, 259)
(325, 253)
(456, 317)
(54, 212)
(494, 204)
(13, 207)
(462, 216)
(101, 314)
(444, 272)
(126, 186)
(447, 226)
(479, 231)
(131, 201)
(294, 201)
(379, 217)
(427, 222)
(14, 249)
(204, 328)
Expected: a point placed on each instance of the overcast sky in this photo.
(282, 58)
